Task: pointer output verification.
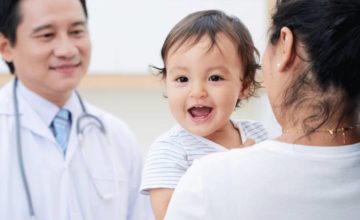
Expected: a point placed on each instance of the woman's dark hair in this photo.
(210, 23)
(10, 18)
(329, 33)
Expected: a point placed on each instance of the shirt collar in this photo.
(47, 110)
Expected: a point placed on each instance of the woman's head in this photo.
(316, 43)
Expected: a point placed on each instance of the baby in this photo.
(209, 68)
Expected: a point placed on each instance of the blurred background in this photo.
(127, 37)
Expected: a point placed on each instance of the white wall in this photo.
(127, 35)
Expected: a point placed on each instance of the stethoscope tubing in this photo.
(19, 149)
(19, 143)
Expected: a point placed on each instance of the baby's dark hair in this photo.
(209, 23)
(329, 33)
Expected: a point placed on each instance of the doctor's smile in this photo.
(66, 69)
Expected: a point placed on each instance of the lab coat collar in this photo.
(73, 105)
(32, 121)
(6, 99)
(45, 109)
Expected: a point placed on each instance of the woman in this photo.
(312, 170)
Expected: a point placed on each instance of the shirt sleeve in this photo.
(188, 202)
(164, 166)
(254, 130)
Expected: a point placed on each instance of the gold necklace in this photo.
(333, 131)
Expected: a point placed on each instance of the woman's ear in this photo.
(5, 48)
(285, 49)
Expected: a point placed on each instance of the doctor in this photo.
(60, 159)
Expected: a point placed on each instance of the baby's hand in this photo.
(249, 142)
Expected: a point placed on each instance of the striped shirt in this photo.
(174, 152)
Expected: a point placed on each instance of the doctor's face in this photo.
(52, 49)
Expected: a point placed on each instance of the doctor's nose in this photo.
(198, 91)
(65, 48)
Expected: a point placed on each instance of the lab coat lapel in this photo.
(73, 143)
(6, 99)
(31, 120)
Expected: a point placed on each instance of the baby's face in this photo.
(203, 85)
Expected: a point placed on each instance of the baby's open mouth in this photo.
(200, 111)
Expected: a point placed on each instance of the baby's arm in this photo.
(164, 166)
(160, 199)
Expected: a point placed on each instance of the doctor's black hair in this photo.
(10, 18)
(209, 23)
(329, 33)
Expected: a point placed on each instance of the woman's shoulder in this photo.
(239, 153)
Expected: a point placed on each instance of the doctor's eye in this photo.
(215, 78)
(46, 36)
(77, 32)
(182, 79)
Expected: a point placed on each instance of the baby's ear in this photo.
(244, 90)
(5, 48)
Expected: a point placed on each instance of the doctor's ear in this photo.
(5, 48)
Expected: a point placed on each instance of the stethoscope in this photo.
(81, 127)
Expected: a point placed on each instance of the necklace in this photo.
(332, 131)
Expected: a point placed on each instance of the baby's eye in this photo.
(215, 78)
(182, 79)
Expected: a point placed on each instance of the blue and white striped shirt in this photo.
(174, 152)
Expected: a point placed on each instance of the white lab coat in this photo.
(61, 188)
